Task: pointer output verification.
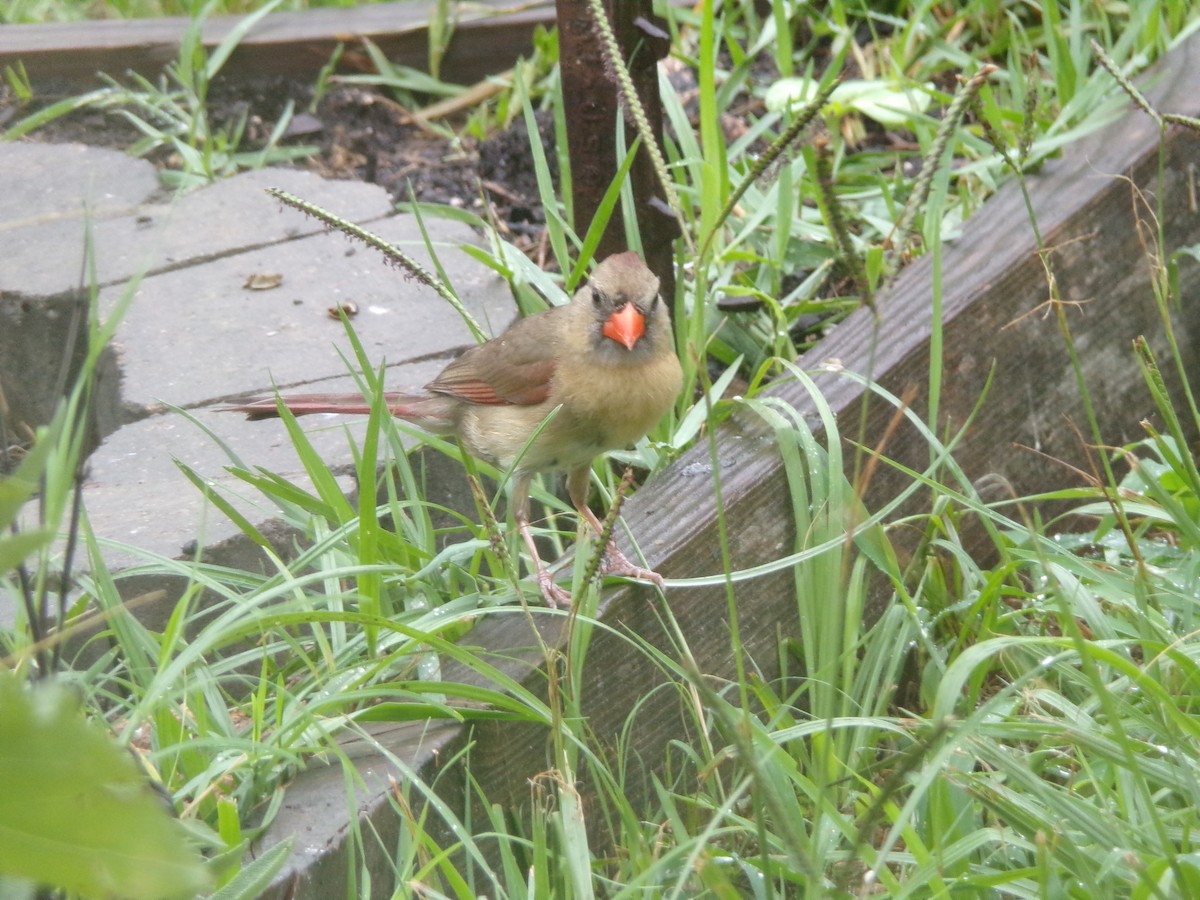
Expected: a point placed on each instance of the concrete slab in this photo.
(137, 496)
(43, 182)
(44, 255)
(222, 339)
(64, 192)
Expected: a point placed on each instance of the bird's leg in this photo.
(555, 596)
(614, 562)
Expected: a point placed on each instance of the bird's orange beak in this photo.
(625, 326)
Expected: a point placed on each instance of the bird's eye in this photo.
(597, 297)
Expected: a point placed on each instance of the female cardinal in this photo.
(605, 361)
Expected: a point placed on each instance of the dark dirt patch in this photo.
(360, 134)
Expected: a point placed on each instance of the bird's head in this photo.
(626, 308)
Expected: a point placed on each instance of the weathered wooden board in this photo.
(1091, 206)
(488, 37)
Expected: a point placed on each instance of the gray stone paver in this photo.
(43, 182)
(229, 339)
(136, 495)
(131, 235)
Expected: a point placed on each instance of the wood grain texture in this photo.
(489, 37)
(1090, 206)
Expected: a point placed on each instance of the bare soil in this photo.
(360, 134)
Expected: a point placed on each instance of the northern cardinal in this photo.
(606, 361)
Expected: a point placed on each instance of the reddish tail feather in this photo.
(429, 411)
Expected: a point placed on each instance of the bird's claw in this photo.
(557, 597)
(614, 562)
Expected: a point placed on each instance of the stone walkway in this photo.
(195, 335)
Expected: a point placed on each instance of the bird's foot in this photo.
(617, 563)
(557, 597)
(613, 562)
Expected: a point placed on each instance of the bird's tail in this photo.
(432, 412)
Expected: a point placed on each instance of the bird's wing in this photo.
(514, 369)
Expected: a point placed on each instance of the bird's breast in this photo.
(599, 408)
(618, 404)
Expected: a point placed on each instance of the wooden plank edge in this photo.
(994, 285)
(487, 39)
